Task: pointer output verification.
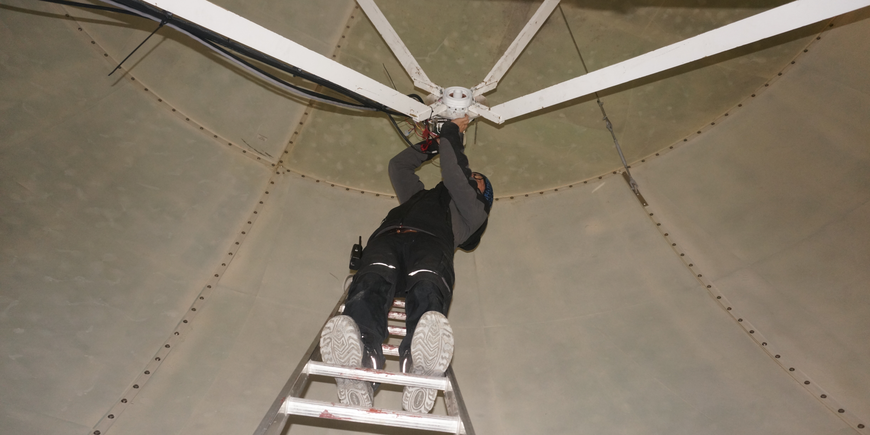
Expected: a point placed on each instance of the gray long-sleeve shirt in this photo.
(467, 205)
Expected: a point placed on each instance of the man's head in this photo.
(484, 187)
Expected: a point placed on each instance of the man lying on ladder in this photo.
(411, 255)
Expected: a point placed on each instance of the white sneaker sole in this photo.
(340, 345)
(431, 352)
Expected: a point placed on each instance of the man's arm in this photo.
(403, 172)
(456, 174)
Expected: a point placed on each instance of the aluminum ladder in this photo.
(290, 403)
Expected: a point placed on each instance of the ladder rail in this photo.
(297, 381)
(455, 403)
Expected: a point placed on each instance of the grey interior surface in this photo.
(181, 182)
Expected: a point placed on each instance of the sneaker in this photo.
(431, 352)
(340, 345)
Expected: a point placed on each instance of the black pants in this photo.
(416, 266)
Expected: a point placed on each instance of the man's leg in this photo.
(354, 339)
(428, 346)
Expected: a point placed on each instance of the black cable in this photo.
(399, 130)
(89, 6)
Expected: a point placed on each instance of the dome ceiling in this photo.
(457, 43)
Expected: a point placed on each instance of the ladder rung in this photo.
(385, 417)
(397, 315)
(381, 376)
(390, 349)
(398, 331)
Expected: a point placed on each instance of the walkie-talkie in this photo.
(356, 255)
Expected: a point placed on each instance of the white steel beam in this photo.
(516, 48)
(253, 35)
(421, 80)
(764, 25)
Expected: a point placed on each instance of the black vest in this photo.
(427, 211)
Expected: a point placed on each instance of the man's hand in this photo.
(462, 123)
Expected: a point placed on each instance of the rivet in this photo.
(585, 181)
(215, 275)
(699, 275)
(111, 415)
(824, 396)
(570, 185)
(657, 154)
(347, 188)
(752, 331)
(841, 410)
(860, 426)
(123, 400)
(805, 50)
(684, 140)
(184, 321)
(672, 147)
(166, 346)
(543, 192)
(699, 131)
(753, 95)
(92, 42)
(192, 309)
(157, 359)
(107, 55)
(177, 333)
(599, 178)
(160, 100)
(242, 233)
(658, 225)
(690, 264)
(673, 244)
(244, 151)
(726, 114)
(224, 264)
(806, 382)
(666, 234)
(229, 253)
(267, 192)
(173, 110)
(555, 190)
(717, 297)
(766, 85)
(202, 298)
(729, 308)
(256, 212)
(792, 62)
(740, 105)
(777, 356)
(779, 74)
(187, 119)
(682, 254)
(136, 386)
(614, 172)
(642, 160)
(147, 372)
(527, 195)
(209, 286)
(764, 343)
(739, 320)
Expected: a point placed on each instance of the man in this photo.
(411, 255)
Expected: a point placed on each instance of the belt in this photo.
(400, 231)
